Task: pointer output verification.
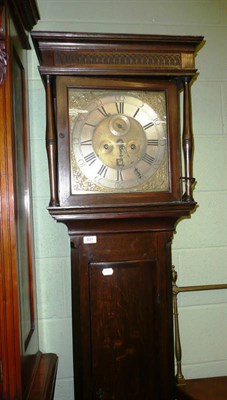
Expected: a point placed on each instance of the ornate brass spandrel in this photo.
(159, 181)
(79, 99)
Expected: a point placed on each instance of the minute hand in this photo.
(122, 148)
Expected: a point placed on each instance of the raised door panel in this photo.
(123, 330)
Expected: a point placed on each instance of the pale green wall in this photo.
(200, 244)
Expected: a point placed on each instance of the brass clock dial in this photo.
(118, 141)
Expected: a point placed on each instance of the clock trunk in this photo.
(124, 317)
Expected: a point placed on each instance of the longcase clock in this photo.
(116, 181)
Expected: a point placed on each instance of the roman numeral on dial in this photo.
(90, 158)
(103, 171)
(148, 159)
(152, 142)
(119, 176)
(103, 111)
(87, 123)
(138, 109)
(149, 125)
(120, 107)
(86, 142)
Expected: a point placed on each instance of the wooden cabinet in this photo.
(116, 181)
(21, 362)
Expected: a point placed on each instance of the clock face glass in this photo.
(118, 141)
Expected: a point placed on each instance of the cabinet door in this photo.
(123, 330)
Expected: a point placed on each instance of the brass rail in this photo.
(176, 290)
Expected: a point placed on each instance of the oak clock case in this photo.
(116, 182)
(121, 138)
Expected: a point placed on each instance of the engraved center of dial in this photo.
(119, 141)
